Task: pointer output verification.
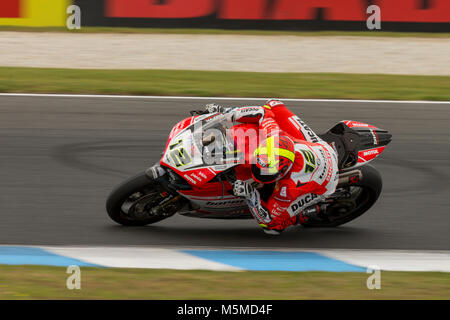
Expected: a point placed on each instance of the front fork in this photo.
(172, 201)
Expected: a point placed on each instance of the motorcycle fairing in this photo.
(210, 195)
(215, 200)
(185, 149)
(356, 142)
(357, 124)
(372, 141)
(369, 154)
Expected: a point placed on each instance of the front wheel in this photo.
(351, 201)
(132, 203)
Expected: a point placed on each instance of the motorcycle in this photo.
(195, 187)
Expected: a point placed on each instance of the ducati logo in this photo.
(304, 200)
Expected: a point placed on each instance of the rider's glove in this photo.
(242, 189)
(213, 108)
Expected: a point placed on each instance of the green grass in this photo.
(226, 31)
(39, 282)
(220, 83)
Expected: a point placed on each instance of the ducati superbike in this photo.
(194, 187)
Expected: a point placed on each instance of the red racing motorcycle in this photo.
(195, 187)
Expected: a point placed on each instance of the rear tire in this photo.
(371, 185)
(140, 183)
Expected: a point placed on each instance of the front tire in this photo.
(127, 200)
(366, 191)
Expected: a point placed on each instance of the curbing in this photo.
(223, 259)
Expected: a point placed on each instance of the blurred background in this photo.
(387, 61)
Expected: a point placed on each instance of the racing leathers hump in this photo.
(312, 178)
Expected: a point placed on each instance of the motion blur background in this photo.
(61, 156)
(400, 15)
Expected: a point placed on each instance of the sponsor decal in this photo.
(322, 174)
(222, 203)
(249, 109)
(212, 117)
(156, 9)
(324, 168)
(368, 155)
(283, 192)
(202, 175)
(357, 124)
(274, 103)
(277, 210)
(310, 133)
(310, 161)
(374, 136)
(188, 178)
(349, 10)
(196, 177)
(281, 199)
(329, 165)
(370, 152)
(304, 128)
(45, 13)
(304, 200)
(329, 174)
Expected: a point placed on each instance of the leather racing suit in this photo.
(312, 178)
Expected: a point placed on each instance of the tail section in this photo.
(357, 143)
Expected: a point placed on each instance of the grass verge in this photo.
(40, 282)
(228, 31)
(223, 83)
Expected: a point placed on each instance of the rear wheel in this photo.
(351, 201)
(132, 203)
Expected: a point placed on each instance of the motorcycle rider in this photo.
(302, 166)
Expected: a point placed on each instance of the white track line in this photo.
(51, 95)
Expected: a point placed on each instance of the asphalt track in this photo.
(61, 156)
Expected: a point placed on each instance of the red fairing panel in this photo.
(357, 124)
(197, 177)
(180, 126)
(184, 156)
(211, 190)
(370, 154)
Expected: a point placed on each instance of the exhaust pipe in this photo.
(349, 177)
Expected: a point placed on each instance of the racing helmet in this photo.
(273, 159)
